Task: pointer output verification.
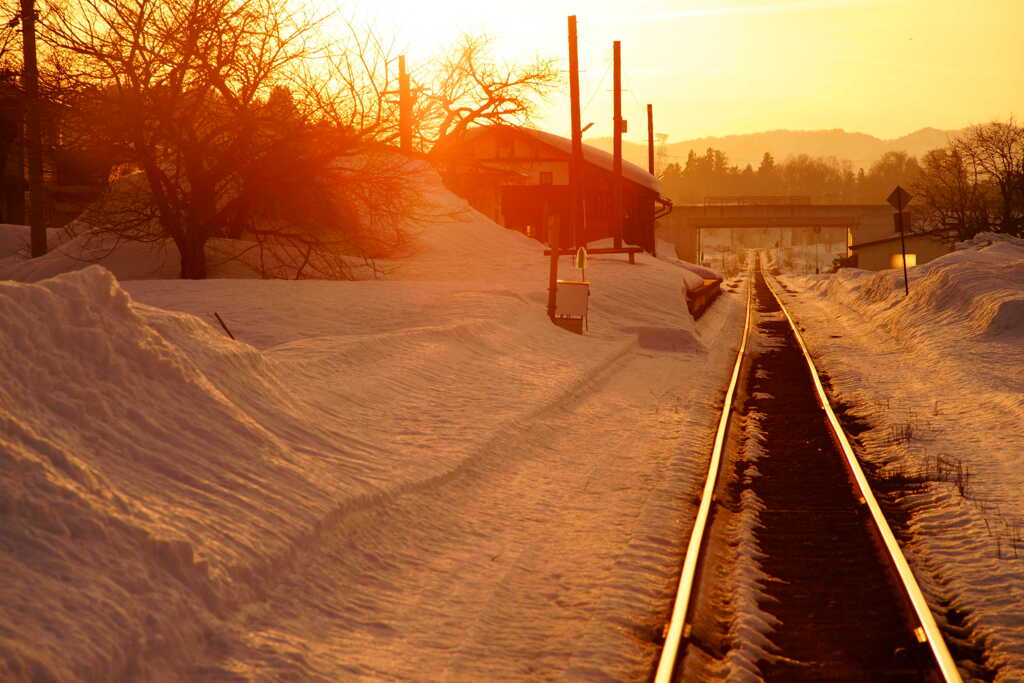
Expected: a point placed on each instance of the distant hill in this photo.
(859, 148)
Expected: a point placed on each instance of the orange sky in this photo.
(716, 67)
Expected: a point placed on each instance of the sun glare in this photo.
(715, 67)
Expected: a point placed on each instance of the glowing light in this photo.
(897, 260)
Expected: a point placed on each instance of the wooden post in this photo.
(575, 171)
(33, 134)
(404, 108)
(650, 162)
(617, 144)
(650, 139)
(576, 191)
(553, 241)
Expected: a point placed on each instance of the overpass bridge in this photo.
(863, 222)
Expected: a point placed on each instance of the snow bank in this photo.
(140, 485)
(693, 275)
(81, 244)
(158, 260)
(16, 240)
(975, 292)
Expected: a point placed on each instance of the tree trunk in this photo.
(193, 258)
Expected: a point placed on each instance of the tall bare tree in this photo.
(355, 85)
(950, 193)
(976, 183)
(181, 82)
(470, 88)
(996, 151)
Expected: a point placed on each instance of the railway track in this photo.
(786, 501)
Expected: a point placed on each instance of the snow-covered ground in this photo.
(939, 375)
(413, 478)
(421, 478)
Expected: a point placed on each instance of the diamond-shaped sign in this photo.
(899, 198)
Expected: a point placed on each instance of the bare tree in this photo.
(950, 193)
(977, 182)
(355, 85)
(181, 82)
(996, 151)
(471, 89)
(351, 84)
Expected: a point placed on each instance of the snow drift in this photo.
(135, 469)
(973, 293)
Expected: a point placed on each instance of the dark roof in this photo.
(592, 155)
(939, 233)
(597, 157)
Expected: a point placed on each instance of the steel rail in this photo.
(931, 632)
(674, 634)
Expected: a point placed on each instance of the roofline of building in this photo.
(591, 155)
(937, 232)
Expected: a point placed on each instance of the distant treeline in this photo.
(974, 184)
(822, 179)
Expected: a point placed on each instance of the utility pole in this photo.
(650, 161)
(404, 108)
(650, 139)
(617, 153)
(575, 172)
(577, 195)
(33, 135)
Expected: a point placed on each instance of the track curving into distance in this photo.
(842, 602)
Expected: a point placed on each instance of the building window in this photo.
(546, 178)
(897, 260)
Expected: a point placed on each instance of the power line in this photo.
(607, 68)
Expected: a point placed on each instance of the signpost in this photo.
(900, 198)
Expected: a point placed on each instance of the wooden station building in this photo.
(519, 177)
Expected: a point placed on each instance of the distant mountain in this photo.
(860, 148)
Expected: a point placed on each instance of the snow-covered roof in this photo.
(598, 157)
(937, 233)
(592, 155)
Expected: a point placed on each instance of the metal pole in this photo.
(903, 246)
(617, 144)
(576, 193)
(33, 133)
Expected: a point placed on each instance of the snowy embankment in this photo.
(414, 477)
(939, 376)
